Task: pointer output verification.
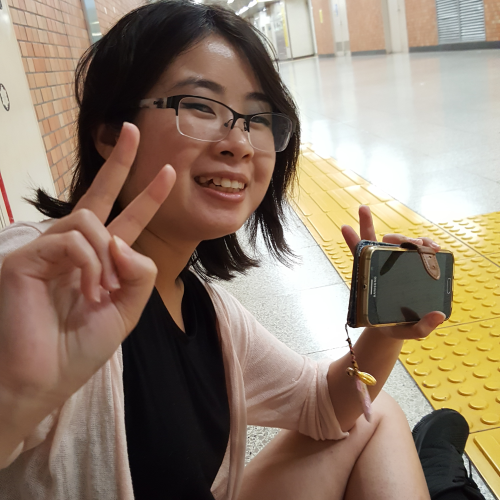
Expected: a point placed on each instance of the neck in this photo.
(170, 257)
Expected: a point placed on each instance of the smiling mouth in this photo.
(221, 184)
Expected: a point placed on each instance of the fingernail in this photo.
(435, 245)
(123, 248)
(114, 281)
(416, 241)
(96, 295)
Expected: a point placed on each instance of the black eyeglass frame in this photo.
(173, 102)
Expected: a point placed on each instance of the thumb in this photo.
(428, 323)
(137, 274)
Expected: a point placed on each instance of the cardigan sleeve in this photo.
(282, 388)
(12, 238)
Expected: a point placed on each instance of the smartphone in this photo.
(391, 286)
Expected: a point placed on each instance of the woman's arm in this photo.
(70, 297)
(377, 349)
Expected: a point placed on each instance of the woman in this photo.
(87, 411)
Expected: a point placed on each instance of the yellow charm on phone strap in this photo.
(362, 380)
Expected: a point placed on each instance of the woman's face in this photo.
(197, 209)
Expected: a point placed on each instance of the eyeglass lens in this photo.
(207, 120)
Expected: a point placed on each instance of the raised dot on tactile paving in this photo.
(474, 336)
(489, 303)
(468, 307)
(481, 373)
(477, 315)
(431, 382)
(451, 341)
(440, 395)
(414, 360)
(496, 311)
(470, 361)
(492, 384)
(484, 346)
(467, 390)
(446, 366)
(490, 418)
(422, 371)
(456, 377)
(479, 296)
(486, 324)
(494, 356)
(471, 289)
(407, 349)
(478, 404)
(437, 355)
(442, 332)
(460, 351)
(428, 345)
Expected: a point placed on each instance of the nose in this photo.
(237, 141)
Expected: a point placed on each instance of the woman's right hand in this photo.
(69, 298)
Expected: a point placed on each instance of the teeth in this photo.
(222, 182)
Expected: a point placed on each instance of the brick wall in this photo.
(492, 20)
(52, 35)
(366, 25)
(109, 11)
(421, 22)
(323, 27)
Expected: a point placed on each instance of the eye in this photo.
(197, 106)
(264, 120)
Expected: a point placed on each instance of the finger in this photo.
(86, 222)
(431, 243)
(136, 216)
(109, 181)
(367, 229)
(350, 237)
(397, 239)
(53, 252)
(421, 329)
(137, 275)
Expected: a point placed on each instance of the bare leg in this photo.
(378, 461)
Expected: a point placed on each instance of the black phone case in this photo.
(353, 298)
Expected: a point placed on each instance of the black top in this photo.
(176, 405)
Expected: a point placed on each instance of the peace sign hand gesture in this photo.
(69, 298)
(367, 231)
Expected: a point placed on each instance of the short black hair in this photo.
(126, 63)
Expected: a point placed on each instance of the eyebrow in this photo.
(218, 88)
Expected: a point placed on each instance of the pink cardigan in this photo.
(80, 451)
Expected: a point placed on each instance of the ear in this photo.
(105, 138)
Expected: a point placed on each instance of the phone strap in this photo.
(428, 256)
(362, 380)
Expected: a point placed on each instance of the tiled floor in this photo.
(425, 128)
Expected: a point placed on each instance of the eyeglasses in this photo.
(207, 120)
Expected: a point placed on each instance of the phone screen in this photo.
(400, 290)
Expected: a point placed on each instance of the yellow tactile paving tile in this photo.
(325, 210)
(481, 232)
(483, 448)
(458, 365)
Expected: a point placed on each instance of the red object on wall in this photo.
(6, 200)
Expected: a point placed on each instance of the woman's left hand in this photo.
(430, 321)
